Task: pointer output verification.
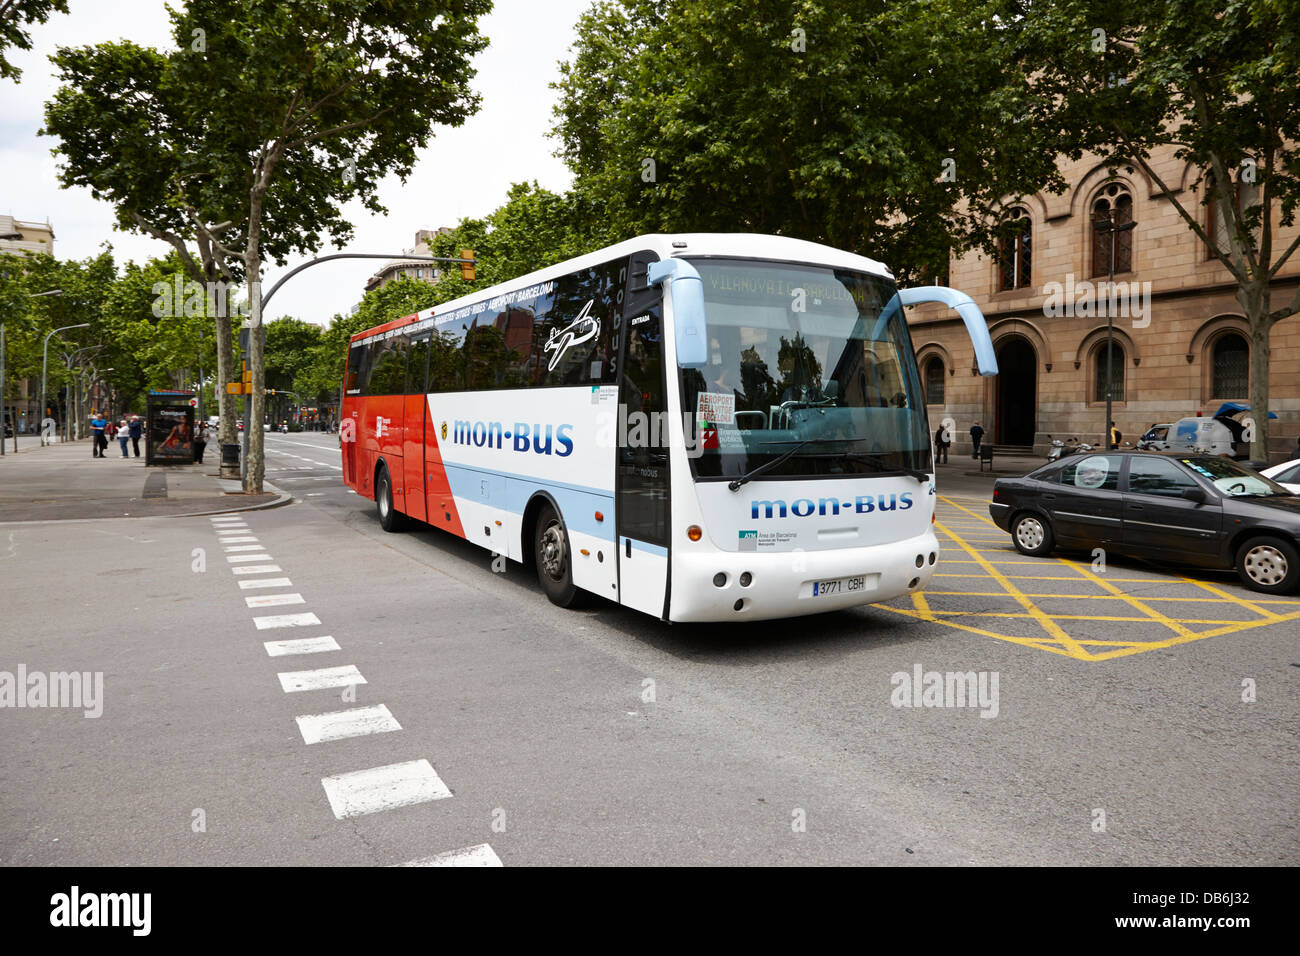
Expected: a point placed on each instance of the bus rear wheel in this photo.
(390, 519)
(552, 556)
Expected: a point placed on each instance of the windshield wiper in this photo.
(734, 485)
(878, 460)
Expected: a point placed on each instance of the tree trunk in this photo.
(227, 434)
(256, 364)
(1259, 361)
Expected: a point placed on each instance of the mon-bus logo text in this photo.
(521, 437)
(803, 507)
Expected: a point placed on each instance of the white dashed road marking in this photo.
(293, 681)
(274, 600)
(305, 645)
(383, 788)
(266, 583)
(481, 855)
(268, 621)
(343, 724)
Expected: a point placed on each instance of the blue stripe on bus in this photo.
(646, 546)
(506, 492)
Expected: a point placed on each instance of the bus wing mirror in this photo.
(687, 291)
(965, 306)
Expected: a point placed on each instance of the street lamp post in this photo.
(1114, 227)
(45, 358)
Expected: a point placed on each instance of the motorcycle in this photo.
(1064, 449)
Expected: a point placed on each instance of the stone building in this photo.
(424, 271)
(1181, 345)
(20, 238)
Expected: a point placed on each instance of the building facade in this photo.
(423, 271)
(21, 238)
(1181, 343)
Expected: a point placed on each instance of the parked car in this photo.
(1192, 509)
(1286, 474)
(1220, 434)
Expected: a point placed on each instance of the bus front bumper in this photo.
(789, 584)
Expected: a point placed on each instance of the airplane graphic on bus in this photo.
(583, 328)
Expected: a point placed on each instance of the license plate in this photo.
(839, 586)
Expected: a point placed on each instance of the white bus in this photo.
(705, 427)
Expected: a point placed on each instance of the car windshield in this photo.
(1233, 479)
(802, 368)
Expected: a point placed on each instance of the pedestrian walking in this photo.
(200, 442)
(97, 441)
(137, 430)
(940, 447)
(123, 435)
(976, 436)
(1114, 436)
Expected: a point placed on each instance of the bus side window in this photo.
(353, 375)
(388, 367)
(446, 360)
(417, 363)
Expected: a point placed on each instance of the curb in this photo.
(283, 498)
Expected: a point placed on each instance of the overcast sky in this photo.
(463, 172)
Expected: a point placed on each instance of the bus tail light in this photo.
(694, 532)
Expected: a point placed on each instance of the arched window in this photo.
(1015, 261)
(934, 383)
(1245, 196)
(1116, 373)
(1231, 367)
(1115, 199)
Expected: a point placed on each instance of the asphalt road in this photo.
(768, 744)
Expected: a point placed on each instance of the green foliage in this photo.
(15, 17)
(829, 122)
(318, 380)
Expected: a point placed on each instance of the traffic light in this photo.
(467, 268)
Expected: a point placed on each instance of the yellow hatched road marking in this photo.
(1058, 642)
(1072, 649)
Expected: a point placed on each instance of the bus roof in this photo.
(742, 245)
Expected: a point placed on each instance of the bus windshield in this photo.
(800, 360)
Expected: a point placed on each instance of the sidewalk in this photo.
(61, 482)
(962, 475)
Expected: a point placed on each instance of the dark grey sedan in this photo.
(1197, 510)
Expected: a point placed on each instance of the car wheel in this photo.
(552, 556)
(1270, 565)
(390, 519)
(1032, 534)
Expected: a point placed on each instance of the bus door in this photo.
(641, 470)
(415, 419)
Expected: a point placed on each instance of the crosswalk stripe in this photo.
(241, 539)
(479, 855)
(243, 558)
(268, 621)
(294, 681)
(265, 583)
(383, 788)
(274, 600)
(303, 645)
(342, 724)
(256, 568)
(245, 547)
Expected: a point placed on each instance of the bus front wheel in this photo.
(553, 558)
(390, 519)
